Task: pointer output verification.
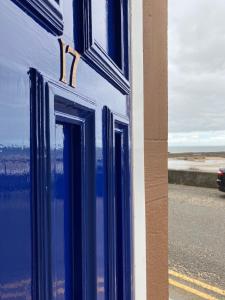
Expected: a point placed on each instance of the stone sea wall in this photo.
(193, 178)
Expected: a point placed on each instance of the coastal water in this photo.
(196, 149)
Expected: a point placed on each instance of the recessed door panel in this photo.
(117, 207)
(59, 204)
(66, 213)
(119, 210)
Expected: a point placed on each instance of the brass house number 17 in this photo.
(64, 49)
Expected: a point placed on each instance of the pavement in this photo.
(196, 243)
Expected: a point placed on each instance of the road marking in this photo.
(191, 290)
(198, 283)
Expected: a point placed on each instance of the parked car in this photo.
(221, 179)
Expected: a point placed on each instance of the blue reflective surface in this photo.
(25, 44)
(15, 225)
(58, 214)
(100, 21)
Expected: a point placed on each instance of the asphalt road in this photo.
(197, 234)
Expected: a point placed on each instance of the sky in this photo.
(196, 58)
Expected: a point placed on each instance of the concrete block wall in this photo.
(155, 137)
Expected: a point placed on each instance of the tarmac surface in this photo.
(196, 243)
(178, 294)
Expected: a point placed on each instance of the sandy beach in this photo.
(205, 162)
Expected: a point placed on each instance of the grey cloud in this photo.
(196, 65)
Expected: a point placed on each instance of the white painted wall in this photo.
(139, 225)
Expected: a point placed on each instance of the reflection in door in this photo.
(66, 213)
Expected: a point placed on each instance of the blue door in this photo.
(65, 201)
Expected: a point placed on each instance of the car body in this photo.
(221, 179)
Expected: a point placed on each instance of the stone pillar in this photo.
(155, 140)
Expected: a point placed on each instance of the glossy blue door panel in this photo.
(75, 135)
(65, 216)
(64, 161)
(123, 210)
(59, 212)
(66, 212)
(102, 38)
(100, 23)
(118, 212)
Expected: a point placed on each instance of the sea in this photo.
(196, 149)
